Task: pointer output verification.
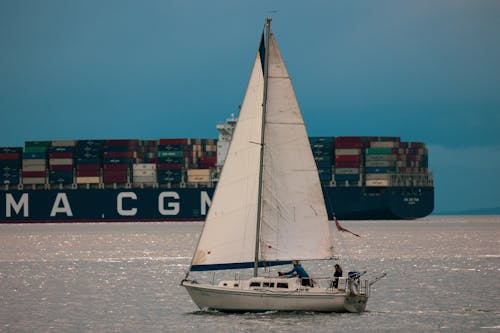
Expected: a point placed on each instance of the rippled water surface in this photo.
(443, 276)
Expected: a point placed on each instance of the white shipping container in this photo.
(400, 164)
(34, 180)
(384, 144)
(346, 171)
(198, 179)
(377, 176)
(347, 151)
(30, 162)
(63, 143)
(199, 172)
(144, 179)
(144, 173)
(377, 182)
(61, 161)
(144, 166)
(212, 148)
(379, 164)
(87, 180)
(380, 157)
(34, 168)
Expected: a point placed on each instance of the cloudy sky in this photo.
(423, 70)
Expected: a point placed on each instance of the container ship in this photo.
(363, 178)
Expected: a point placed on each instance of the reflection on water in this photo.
(443, 275)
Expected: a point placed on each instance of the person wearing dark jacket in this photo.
(336, 275)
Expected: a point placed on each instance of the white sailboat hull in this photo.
(229, 299)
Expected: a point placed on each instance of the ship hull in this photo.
(192, 204)
(385, 203)
(246, 300)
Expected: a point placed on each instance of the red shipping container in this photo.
(349, 145)
(347, 165)
(383, 139)
(208, 162)
(341, 139)
(347, 158)
(60, 154)
(113, 173)
(88, 173)
(174, 141)
(61, 167)
(115, 167)
(168, 166)
(33, 174)
(118, 154)
(10, 156)
(122, 142)
(89, 167)
(114, 179)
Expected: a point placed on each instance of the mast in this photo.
(261, 166)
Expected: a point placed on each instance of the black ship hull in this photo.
(192, 204)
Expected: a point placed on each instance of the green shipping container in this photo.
(37, 143)
(171, 153)
(35, 149)
(379, 151)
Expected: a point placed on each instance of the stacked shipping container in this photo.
(144, 166)
(341, 161)
(322, 149)
(172, 160)
(10, 165)
(203, 160)
(35, 162)
(88, 161)
(371, 161)
(348, 160)
(379, 161)
(117, 158)
(61, 162)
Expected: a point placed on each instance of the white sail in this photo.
(294, 219)
(229, 233)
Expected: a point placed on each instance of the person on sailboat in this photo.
(336, 275)
(299, 271)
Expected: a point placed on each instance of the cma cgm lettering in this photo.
(105, 205)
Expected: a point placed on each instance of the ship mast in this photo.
(261, 166)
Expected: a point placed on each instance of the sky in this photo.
(426, 71)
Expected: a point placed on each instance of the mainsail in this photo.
(293, 223)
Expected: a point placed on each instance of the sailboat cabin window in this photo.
(268, 284)
(282, 285)
(254, 284)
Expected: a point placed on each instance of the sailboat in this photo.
(268, 208)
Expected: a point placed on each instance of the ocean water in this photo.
(443, 276)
